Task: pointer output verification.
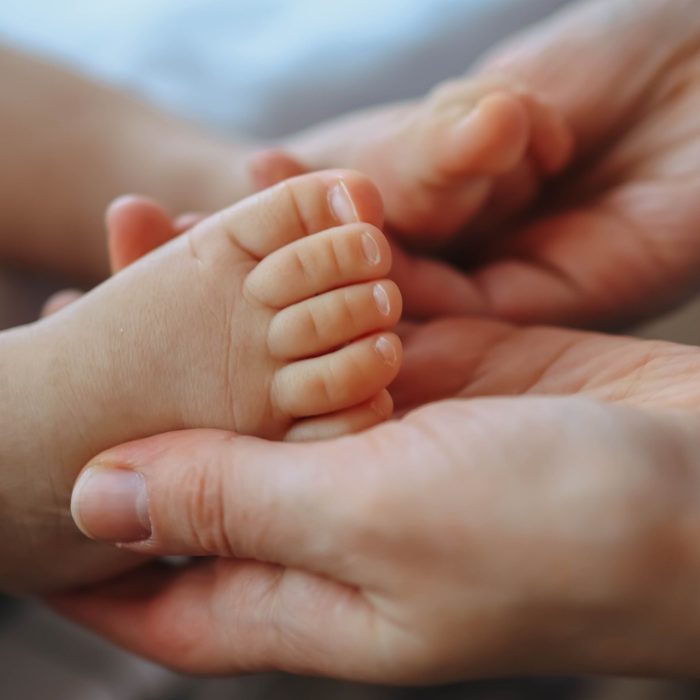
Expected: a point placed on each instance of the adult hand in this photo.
(618, 240)
(471, 538)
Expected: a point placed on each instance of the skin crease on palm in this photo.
(619, 531)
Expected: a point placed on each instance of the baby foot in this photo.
(473, 148)
(270, 318)
(295, 276)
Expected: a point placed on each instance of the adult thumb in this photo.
(210, 492)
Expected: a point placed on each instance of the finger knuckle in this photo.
(205, 509)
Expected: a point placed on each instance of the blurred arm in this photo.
(70, 146)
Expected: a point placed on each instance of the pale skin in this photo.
(440, 161)
(441, 164)
(70, 421)
(381, 600)
(94, 152)
(627, 201)
(401, 591)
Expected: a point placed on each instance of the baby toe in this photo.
(352, 420)
(320, 263)
(324, 322)
(338, 380)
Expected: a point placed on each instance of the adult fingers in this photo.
(625, 256)
(208, 492)
(283, 516)
(219, 616)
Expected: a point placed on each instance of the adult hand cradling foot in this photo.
(472, 538)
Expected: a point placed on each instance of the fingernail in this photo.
(341, 204)
(112, 505)
(371, 249)
(386, 350)
(381, 299)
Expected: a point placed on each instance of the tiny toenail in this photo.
(341, 204)
(386, 350)
(371, 249)
(381, 299)
(379, 407)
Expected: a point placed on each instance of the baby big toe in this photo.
(338, 380)
(294, 209)
(352, 420)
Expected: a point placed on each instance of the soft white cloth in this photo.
(267, 67)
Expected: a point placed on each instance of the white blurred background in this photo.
(267, 67)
